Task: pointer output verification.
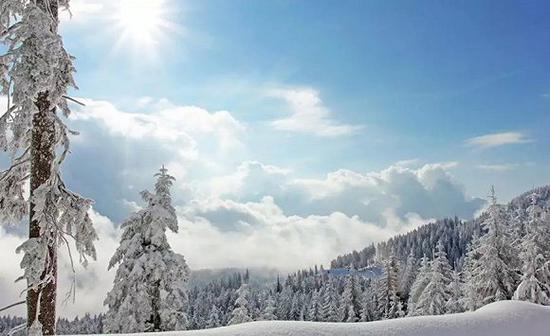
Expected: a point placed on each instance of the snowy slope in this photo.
(505, 318)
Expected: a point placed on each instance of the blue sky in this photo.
(299, 130)
(421, 78)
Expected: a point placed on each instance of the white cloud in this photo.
(503, 167)
(408, 163)
(165, 122)
(227, 233)
(309, 114)
(429, 191)
(267, 179)
(497, 139)
(131, 205)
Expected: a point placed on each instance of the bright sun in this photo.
(143, 24)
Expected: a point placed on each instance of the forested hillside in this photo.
(454, 233)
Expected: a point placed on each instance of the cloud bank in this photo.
(309, 115)
(497, 139)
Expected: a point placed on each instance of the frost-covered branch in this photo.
(11, 305)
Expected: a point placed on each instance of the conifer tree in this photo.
(535, 280)
(296, 307)
(268, 313)
(214, 317)
(390, 290)
(368, 305)
(35, 74)
(472, 298)
(284, 303)
(494, 275)
(420, 283)
(241, 313)
(150, 286)
(455, 304)
(409, 275)
(350, 304)
(315, 309)
(331, 304)
(434, 298)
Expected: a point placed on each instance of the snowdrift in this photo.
(505, 318)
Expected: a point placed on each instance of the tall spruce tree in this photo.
(368, 305)
(214, 318)
(472, 297)
(331, 302)
(241, 313)
(315, 308)
(35, 74)
(434, 298)
(494, 276)
(389, 296)
(268, 313)
(350, 300)
(422, 279)
(409, 275)
(150, 286)
(535, 280)
(455, 304)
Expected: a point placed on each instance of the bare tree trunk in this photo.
(41, 303)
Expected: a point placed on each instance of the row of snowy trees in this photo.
(455, 234)
(87, 324)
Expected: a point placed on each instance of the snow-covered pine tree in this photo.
(241, 312)
(368, 305)
(296, 307)
(268, 313)
(389, 296)
(409, 275)
(472, 298)
(535, 280)
(400, 310)
(434, 298)
(350, 305)
(150, 286)
(214, 318)
(495, 276)
(35, 74)
(330, 304)
(422, 279)
(284, 303)
(315, 307)
(455, 304)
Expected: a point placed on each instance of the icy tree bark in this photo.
(43, 299)
(41, 302)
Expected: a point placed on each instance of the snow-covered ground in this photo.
(505, 318)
